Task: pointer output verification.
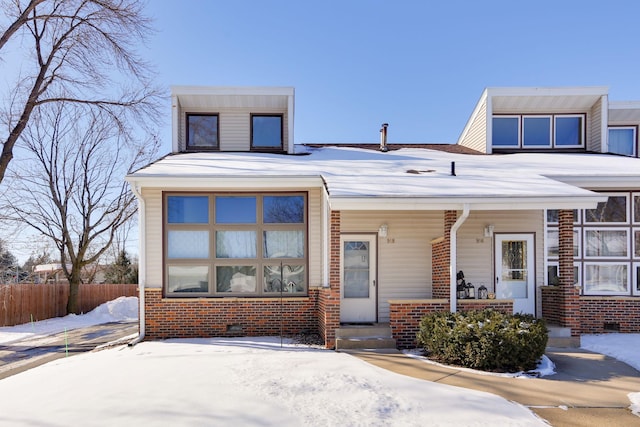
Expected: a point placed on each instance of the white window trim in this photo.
(577, 240)
(627, 209)
(594, 257)
(600, 292)
(634, 249)
(533, 116)
(633, 196)
(576, 264)
(507, 116)
(634, 274)
(582, 130)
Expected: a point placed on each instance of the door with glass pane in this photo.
(515, 271)
(358, 278)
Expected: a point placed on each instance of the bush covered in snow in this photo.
(487, 340)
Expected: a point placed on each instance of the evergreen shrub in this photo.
(487, 340)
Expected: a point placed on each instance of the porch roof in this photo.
(405, 179)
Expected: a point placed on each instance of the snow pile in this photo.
(623, 347)
(243, 381)
(123, 309)
(545, 367)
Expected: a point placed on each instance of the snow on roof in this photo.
(413, 173)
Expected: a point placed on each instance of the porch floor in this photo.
(364, 336)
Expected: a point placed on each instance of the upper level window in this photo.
(266, 132)
(202, 132)
(622, 140)
(538, 131)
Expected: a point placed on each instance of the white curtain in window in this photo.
(621, 141)
(235, 244)
(284, 244)
(188, 244)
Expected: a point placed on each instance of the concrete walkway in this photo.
(588, 389)
(26, 354)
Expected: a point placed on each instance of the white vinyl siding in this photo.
(476, 136)
(153, 234)
(594, 128)
(476, 252)
(315, 249)
(235, 126)
(404, 256)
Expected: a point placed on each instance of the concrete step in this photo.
(364, 343)
(560, 337)
(375, 330)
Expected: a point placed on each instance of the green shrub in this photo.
(487, 340)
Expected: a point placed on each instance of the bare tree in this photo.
(78, 51)
(73, 191)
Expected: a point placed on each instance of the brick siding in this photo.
(226, 317)
(405, 315)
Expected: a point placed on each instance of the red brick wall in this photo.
(329, 307)
(405, 316)
(440, 256)
(596, 311)
(211, 317)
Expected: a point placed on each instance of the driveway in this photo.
(26, 354)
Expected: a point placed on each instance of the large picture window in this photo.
(606, 246)
(235, 244)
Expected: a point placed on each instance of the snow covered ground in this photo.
(243, 381)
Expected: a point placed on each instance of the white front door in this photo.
(515, 271)
(358, 255)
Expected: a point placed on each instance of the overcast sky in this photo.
(418, 65)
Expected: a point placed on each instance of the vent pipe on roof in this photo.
(383, 137)
(453, 168)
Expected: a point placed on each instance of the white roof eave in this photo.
(457, 203)
(213, 182)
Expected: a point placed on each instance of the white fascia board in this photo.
(232, 90)
(477, 204)
(548, 91)
(213, 182)
(600, 182)
(175, 123)
(624, 105)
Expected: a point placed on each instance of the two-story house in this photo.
(243, 232)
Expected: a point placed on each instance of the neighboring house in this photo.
(245, 233)
(53, 273)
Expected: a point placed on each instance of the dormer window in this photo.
(266, 132)
(622, 140)
(538, 131)
(202, 132)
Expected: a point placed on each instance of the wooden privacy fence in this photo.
(21, 303)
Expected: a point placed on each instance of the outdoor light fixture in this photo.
(488, 230)
(383, 230)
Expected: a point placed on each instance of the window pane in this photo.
(606, 278)
(553, 277)
(568, 131)
(235, 244)
(188, 244)
(505, 131)
(536, 131)
(293, 278)
(636, 209)
(284, 244)
(552, 216)
(613, 210)
(636, 243)
(188, 278)
(622, 141)
(235, 210)
(187, 209)
(239, 279)
(606, 243)
(552, 243)
(283, 209)
(266, 131)
(202, 131)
